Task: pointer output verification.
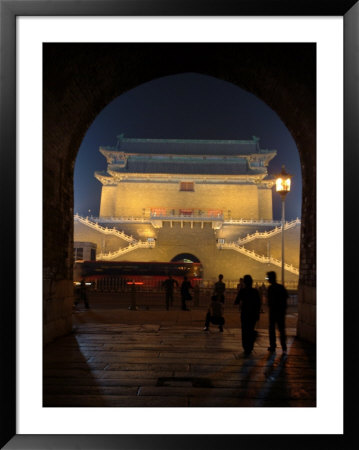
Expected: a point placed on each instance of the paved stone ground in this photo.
(152, 357)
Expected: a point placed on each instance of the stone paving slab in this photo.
(118, 358)
(128, 381)
(63, 386)
(298, 361)
(114, 401)
(217, 392)
(248, 403)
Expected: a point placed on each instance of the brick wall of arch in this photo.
(79, 80)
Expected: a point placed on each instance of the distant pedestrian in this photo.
(249, 303)
(277, 304)
(263, 294)
(219, 288)
(169, 285)
(215, 314)
(185, 293)
(83, 293)
(196, 292)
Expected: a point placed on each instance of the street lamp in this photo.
(282, 186)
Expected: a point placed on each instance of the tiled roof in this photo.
(210, 167)
(188, 146)
(185, 156)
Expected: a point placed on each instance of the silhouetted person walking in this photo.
(169, 285)
(215, 314)
(249, 303)
(277, 304)
(219, 288)
(185, 294)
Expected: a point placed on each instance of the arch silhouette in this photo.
(79, 80)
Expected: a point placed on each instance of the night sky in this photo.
(186, 106)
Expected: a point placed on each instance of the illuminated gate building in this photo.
(197, 200)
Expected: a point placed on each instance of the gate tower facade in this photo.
(209, 198)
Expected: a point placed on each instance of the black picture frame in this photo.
(9, 10)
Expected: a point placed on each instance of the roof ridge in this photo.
(190, 141)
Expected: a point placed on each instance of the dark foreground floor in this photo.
(118, 357)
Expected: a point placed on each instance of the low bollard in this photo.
(133, 306)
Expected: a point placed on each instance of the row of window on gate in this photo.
(165, 212)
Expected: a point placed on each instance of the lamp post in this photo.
(282, 186)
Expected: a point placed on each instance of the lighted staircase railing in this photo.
(104, 230)
(260, 258)
(268, 234)
(123, 250)
(257, 222)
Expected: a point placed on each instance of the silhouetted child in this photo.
(215, 314)
(263, 294)
(240, 285)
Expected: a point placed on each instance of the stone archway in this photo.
(79, 80)
(185, 256)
